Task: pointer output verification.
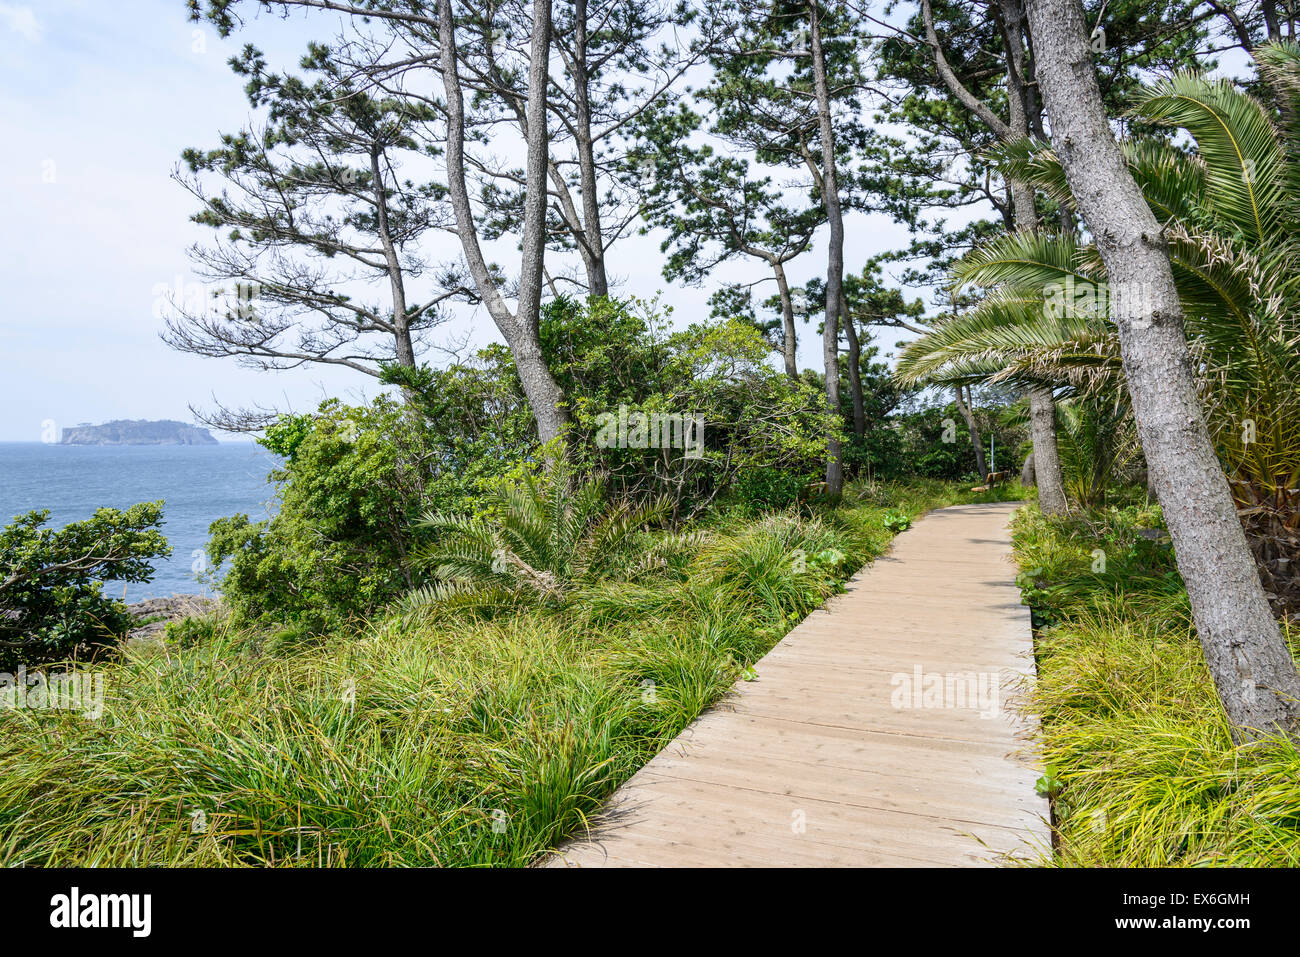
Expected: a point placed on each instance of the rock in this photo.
(170, 609)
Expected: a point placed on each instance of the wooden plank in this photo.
(828, 759)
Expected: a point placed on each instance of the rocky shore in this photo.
(157, 612)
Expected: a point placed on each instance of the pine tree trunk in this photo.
(789, 344)
(1251, 666)
(1270, 20)
(592, 243)
(539, 385)
(855, 374)
(404, 347)
(520, 330)
(1047, 460)
(1042, 406)
(835, 256)
(1010, 16)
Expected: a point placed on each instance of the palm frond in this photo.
(1238, 142)
(1033, 162)
(1170, 179)
(541, 534)
(1030, 261)
(1006, 337)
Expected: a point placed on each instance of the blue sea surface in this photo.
(197, 483)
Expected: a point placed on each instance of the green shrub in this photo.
(935, 444)
(764, 488)
(193, 630)
(618, 360)
(52, 605)
(352, 484)
(541, 535)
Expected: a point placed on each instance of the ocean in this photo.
(198, 484)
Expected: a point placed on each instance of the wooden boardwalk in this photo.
(879, 732)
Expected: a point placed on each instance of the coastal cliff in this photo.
(138, 432)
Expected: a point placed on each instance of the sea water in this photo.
(197, 483)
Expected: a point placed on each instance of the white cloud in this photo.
(21, 20)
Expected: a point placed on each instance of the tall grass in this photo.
(1130, 722)
(445, 734)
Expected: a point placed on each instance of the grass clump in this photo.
(1147, 772)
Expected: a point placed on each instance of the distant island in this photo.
(138, 432)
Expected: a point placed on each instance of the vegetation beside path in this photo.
(447, 732)
(1142, 765)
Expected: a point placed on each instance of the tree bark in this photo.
(1042, 406)
(1010, 16)
(1027, 471)
(1047, 460)
(403, 346)
(1270, 20)
(789, 344)
(855, 373)
(964, 96)
(520, 331)
(835, 256)
(976, 441)
(584, 227)
(592, 244)
(1252, 669)
(551, 419)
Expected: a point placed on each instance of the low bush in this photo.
(52, 604)
(353, 482)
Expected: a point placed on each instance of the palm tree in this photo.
(542, 535)
(1098, 443)
(1227, 212)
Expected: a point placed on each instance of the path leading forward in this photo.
(878, 732)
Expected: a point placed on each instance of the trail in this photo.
(877, 733)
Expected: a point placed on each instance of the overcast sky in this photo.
(97, 100)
